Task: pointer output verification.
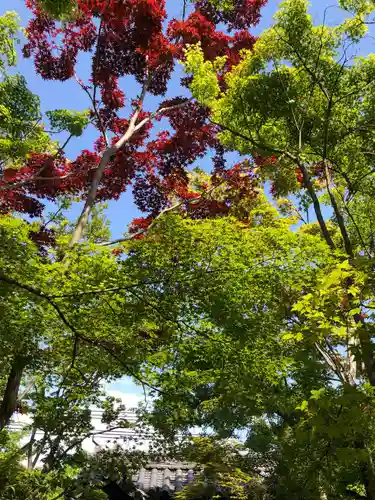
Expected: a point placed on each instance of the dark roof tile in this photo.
(171, 476)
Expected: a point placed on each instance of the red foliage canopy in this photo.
(128, 37)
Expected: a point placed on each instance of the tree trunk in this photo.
(30, 450)
(9, 402)
(369, 485)
(367, 349)
(370, 473)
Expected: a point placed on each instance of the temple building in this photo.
(156, 481)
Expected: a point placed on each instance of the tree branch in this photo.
(327, 358)
(11, 185)
(163, 212)
(93, 342)
(315, 78)
(337, 212)
(110, 151)
(108, 154)
(105, 290)
(306, 177)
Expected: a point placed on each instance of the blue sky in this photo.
(58, 95)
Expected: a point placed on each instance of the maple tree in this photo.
(126, 38)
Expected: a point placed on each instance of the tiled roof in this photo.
(171, 476)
